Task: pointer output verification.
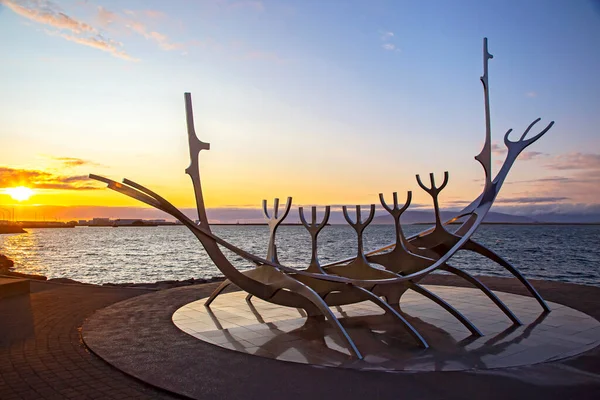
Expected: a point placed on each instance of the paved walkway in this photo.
(42, 356)
(41, 352)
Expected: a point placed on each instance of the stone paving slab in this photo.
(142, 341)
(41, 352)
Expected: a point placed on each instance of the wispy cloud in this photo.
(579, 181)
(73, 161)
(575, 161)
(525, 156)
(65, 26)
(38, 179)
(386, 35)
(497, 149)
(530, 155)
(531, 199)
(47, 13)
(531, 94)
(387, 38)
(548, 179)
(94, 34)
(98, 42)
(131, 20)
(154, 14)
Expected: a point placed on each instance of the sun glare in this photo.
(20, 193)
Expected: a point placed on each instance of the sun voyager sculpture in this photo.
(381, 276)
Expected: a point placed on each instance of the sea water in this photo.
(568, 253)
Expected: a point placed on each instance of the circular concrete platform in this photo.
(138, 337)
(267, 330)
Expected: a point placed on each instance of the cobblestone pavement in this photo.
(41, 352)
(42, 356)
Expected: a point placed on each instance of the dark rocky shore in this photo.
(11, 229)
(5, 263)
(6, 266)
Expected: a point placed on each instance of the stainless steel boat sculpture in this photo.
(401, 265)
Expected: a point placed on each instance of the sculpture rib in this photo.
(484, 251)
(446, 306)
(388, 309)
(492, 296)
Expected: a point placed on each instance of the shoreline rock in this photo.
(168, 284)
(11, 229)
(6, 264)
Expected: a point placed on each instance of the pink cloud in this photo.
(48, 14)
(530, 155)
(581, 182)
(154, 14)
(575, 161)
(84, 33)
(106, 17)
(525, 156)
(497, 149)
(109, 18)
(110, 46)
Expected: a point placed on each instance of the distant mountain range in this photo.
(422, 217)
(417, 217)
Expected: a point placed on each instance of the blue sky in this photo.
(329, 101)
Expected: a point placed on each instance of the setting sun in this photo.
(20, 193)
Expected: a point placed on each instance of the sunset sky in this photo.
(330, 102)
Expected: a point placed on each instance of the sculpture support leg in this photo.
(441, 302)
(484, 251)
(314, 298)
(390, 311)
(217, 292)
(485, 290)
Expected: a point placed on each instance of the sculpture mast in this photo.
(195, 145)
(485, 156)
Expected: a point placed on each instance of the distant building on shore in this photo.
(100, 222)
(123, 222)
